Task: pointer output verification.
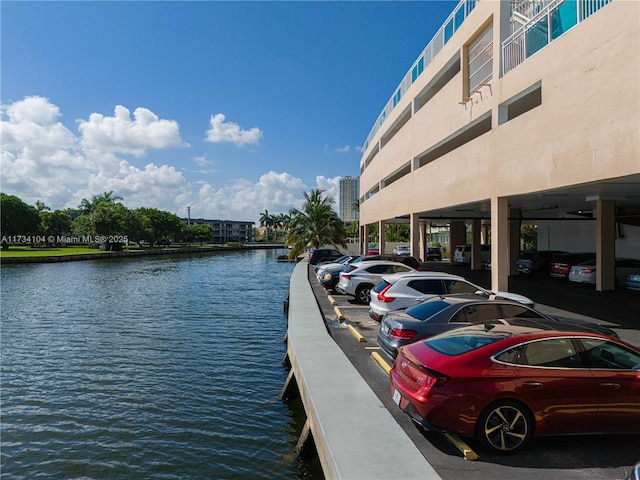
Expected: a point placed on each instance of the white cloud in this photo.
(43, 160)
(40, 156)
(153, 186)
(229, 132)
(345, 149)
(121, 134)
(331, 187)
(245, 200)
(201, 161)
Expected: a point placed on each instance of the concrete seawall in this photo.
(130, 254)
(355, 435)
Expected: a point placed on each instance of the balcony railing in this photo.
(450, 26)
(548, 24)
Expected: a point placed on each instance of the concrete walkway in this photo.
(355, 435)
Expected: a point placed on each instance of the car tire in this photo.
(505, 427)
(363, 294)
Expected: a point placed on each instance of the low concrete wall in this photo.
(130, 254)
(355, 435)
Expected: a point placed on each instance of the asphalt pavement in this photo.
(578, 457)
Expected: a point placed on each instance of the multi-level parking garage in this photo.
(521, 111)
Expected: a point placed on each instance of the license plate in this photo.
(397, 397)
(385, 329)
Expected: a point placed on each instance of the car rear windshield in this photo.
(381, 286)
(427, 309)
(453, 345)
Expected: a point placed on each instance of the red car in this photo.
(561, 264)
(504, 381)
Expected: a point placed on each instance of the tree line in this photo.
(102, 216)
(314, 225)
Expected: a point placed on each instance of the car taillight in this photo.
(347, 276)
(383, 298)
(428, 380)
(422, 376)
(588, 270)
(402, 334)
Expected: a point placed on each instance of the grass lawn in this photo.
(25, 251)
(46, 251)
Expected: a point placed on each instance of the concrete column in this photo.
(381, 240)
(499, 243)
(605, 245)
(423, 241)
(514, 239)
(457, 236)
(364, 239)
(414, 235)
(476, 241)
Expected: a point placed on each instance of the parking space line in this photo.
(381, 361)
(466, 450)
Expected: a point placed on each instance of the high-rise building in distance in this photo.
(349, 188)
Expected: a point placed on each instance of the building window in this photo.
(397, 97)
(480, 56)
(417, 69)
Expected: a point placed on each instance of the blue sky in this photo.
(230, 108)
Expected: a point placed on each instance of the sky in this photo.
(224, 108)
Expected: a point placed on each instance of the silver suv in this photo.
(357, 280)
(395, 292)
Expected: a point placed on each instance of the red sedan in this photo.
(561, 264)
(503, 383)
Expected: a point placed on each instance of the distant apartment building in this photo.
(223, 231)
(349, 190)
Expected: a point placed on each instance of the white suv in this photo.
(462, 254)
(357, 280)
(395, 292)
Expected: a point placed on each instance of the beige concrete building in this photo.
(522, 111)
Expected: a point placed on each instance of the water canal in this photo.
(147, 368)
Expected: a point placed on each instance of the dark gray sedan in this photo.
(446, 312)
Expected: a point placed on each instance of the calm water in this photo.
(149, 368)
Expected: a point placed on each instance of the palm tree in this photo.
(89, 206)
(285, 221)
(267, 221)
(41, 207)
(315, 225)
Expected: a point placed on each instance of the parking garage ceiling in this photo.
(567, 203)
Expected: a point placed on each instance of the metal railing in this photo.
(446, 31)
(552, 21)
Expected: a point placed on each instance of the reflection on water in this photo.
(147, 368)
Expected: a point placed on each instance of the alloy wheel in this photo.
(505, 427)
